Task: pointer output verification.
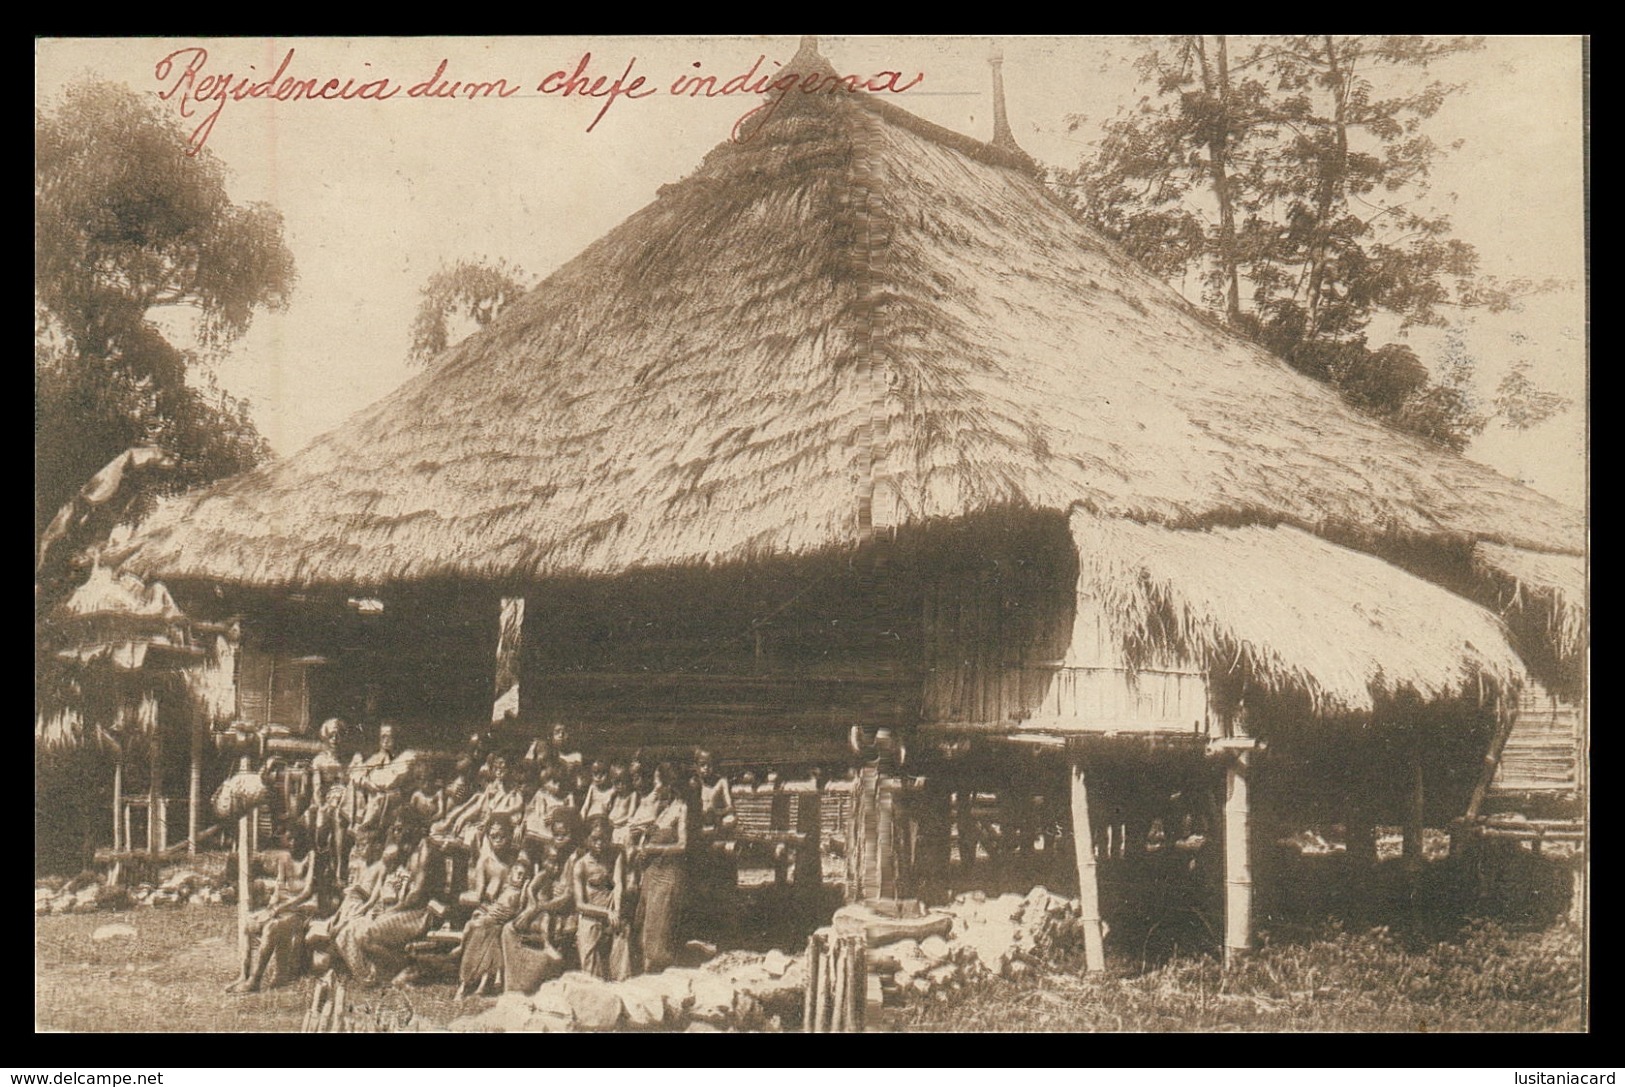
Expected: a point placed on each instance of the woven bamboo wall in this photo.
(1542, 755)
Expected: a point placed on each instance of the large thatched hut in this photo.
(857, 426)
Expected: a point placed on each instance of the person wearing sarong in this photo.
(489, 880)
(276, 934)
(377, 943)
(662, 858)
(716, 873)
(540, 943)
(481, 967)
(602, 934)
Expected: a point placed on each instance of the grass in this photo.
(171, 976)
(1486, 977)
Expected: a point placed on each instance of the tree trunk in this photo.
(1333, 177)
(1217, 86)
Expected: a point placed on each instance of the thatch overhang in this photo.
(852, 321)
(1277, 609)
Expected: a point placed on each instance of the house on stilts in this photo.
(856, 427)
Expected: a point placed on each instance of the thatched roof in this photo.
(1552, 585)
(1289, 611)
(852, 320)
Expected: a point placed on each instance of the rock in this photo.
(548, 1023)
(594, 1003)
(1010, 906)
(921, 986)
(942, 975)
(700, 951)
(934, 948)
(775, 962)
(1017, 968)
(113, 932)
(645, 1004)
(676, 986)
(43, 894)
(903, 950)
(550, 1000)
(701, 1028)
(713, 998)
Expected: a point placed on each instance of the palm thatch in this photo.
(849, 321)
(1290, 611)
(1552, 586)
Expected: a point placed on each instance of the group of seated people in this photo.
(550, 862)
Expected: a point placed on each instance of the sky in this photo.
(377, 194)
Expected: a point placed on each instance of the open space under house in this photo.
(856, 427)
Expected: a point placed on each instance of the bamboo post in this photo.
(243, 884)
(120, 842)
(1238, 871)
(308, 1023)
(194, 786)
(810, 983)
(1094, 952)
(860, 975)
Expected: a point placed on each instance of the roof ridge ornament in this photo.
(1002, 136)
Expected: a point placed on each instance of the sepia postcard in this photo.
(817, 534)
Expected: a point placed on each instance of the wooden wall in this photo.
(428, 660)
(775, 661)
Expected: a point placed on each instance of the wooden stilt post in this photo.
(119, 841)
(1414, 811)
(243, 851)
(154, 788)
(194, 786)
(1094, 953)
(1238, 869)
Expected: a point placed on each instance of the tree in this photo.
(469, 290)
(127, 223)
(1297, 167)
(1519, 403)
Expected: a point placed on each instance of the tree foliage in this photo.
(467, 291)
(1289, 176)
(126, 223)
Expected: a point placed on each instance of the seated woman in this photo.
(275, 951)
(401, 914)
(497, 854)
(540, 943)
(661, 859)
(481, 966)
(602, 934)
